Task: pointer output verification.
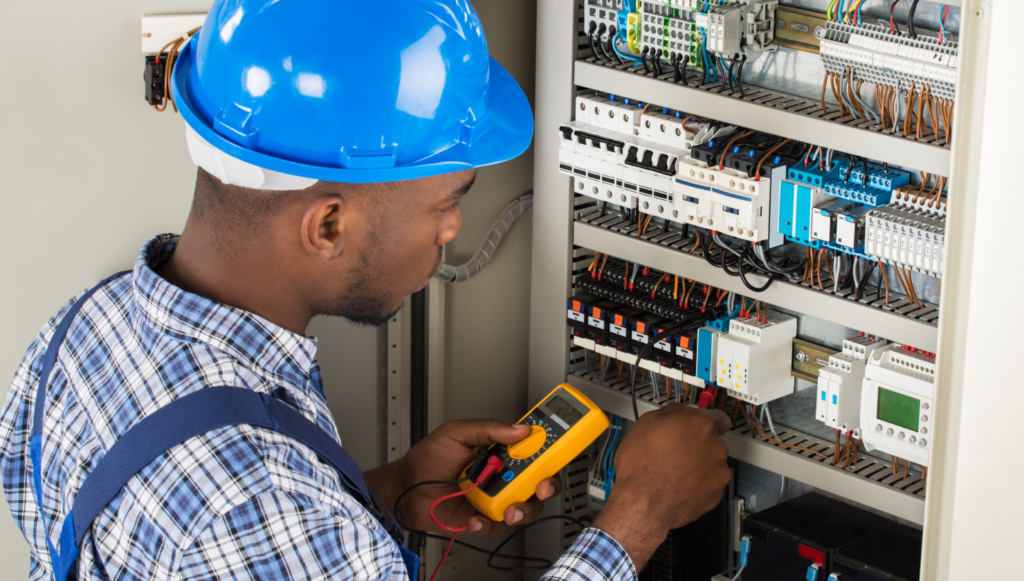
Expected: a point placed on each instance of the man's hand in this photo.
(670, 470)
(442, 455)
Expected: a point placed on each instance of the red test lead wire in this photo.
(493, 465)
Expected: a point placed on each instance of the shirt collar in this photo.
(267, 349)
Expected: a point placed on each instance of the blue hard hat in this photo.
(354, 92)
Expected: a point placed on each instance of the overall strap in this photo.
(190, 416)
(38, 414)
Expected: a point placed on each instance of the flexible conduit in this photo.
(509, 215)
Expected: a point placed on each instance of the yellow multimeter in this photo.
(562, 425)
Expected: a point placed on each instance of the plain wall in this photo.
(90, 173)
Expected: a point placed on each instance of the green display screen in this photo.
(564, 410)
(899, 409)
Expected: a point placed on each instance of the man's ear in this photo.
(323, 226)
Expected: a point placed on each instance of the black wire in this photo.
(643, 59)
(643, 352)
(590, 38)
(492, 554)
(732, 86)
(864, 280)
(675, 68)
(747, 284)
(739, 75)
(611, 44)
(910, 20)
(520, 531)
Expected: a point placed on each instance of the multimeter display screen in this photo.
(563, 410)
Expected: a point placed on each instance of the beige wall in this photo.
(90, 172)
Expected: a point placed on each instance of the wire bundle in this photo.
(498, 230)
(172, 49)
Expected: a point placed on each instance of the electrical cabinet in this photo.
(863, 202)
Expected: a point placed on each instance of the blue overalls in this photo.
(185, 418)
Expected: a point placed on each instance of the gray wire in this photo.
(771, 426)
(724, 245)
(499, 229)
(896, 105)
(877, 118)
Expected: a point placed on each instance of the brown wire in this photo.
(603, 262)
(885, 277)
(828, 265)
(921, 110)
(692, 118)
(721, 159)
(773, 440)
(925, 178)
(696, 243)
(706, 297)
(835, 93)
(903, 283)
(938, 192)
(909, 102)
(757, 174)
(835, 450)
(849, 91)
(824, 87)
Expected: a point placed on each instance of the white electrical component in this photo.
(839, 385)
(753, 359)
(725, 200)
(160, 29)
(906, 237)
(693, 199)
(896, 403)
(584, 106)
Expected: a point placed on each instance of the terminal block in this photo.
(878, 177)
(665, 29)
(601, 17)
(739, 29)
(879, 57)
(753, 359)
(839, 384)
(906, 237)
(896, 403)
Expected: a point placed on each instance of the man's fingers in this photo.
(722, 422)
(485, 527)
(523, 512)
(548, 487)
(473, 433)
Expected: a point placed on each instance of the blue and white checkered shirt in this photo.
(239, 502)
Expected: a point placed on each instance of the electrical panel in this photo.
(727, 208)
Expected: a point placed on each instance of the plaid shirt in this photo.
(238, 502)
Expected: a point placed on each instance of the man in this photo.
(327, 185)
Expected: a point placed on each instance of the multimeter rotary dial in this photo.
(530, 448)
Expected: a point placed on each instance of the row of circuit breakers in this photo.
(666, 164)
(881, 393)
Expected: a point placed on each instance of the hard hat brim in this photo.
(510, 134)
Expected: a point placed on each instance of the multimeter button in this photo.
(529, 445)
(508, 476)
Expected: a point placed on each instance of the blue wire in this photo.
(841, 2)
(942, 24)
(615, 47)
(860, 20)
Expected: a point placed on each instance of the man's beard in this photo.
(363, 302)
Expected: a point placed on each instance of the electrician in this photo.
(171, 423)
